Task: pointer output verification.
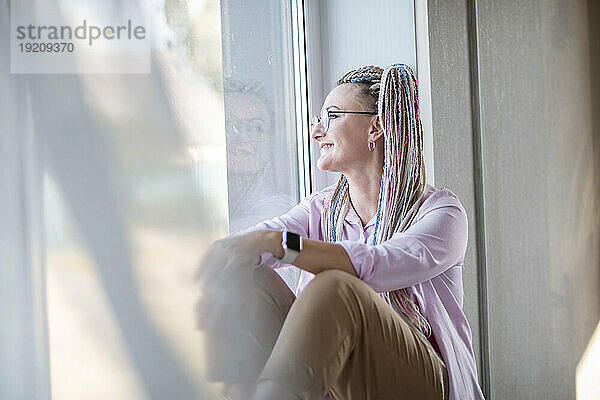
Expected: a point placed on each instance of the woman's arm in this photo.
(426, 249)
(316, 256)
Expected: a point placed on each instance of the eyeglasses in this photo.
(254, 129)
(326, 115)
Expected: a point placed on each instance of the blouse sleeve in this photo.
(295, 220)
(426, 249)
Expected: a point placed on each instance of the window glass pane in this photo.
(260, 125)
(142, 173)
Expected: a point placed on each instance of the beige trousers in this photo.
(338, 337)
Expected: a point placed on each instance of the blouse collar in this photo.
(352, 216)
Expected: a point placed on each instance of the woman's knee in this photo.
(332, 282)
(265, 278)
(270, 287)
(334, 290)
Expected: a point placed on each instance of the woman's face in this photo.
(347, 133)
(247, 130)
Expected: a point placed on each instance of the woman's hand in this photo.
(226, 277)
(230, 252)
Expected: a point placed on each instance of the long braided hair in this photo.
(394, 92)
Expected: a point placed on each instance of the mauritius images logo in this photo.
(93, 40)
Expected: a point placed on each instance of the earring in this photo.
(371, 146)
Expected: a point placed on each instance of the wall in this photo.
(540, 176)
(452, 127)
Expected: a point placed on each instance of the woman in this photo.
(378, 309)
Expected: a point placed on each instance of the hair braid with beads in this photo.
(394, 92)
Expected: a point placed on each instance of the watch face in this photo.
(293, 241)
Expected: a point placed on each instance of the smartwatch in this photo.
(292, 245)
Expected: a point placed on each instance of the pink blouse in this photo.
(427, 258)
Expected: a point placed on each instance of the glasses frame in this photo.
(326, 113)
(242, 129)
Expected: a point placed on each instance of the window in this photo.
(138, 174)
(260, 113)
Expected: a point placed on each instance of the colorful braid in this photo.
(394, 92)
